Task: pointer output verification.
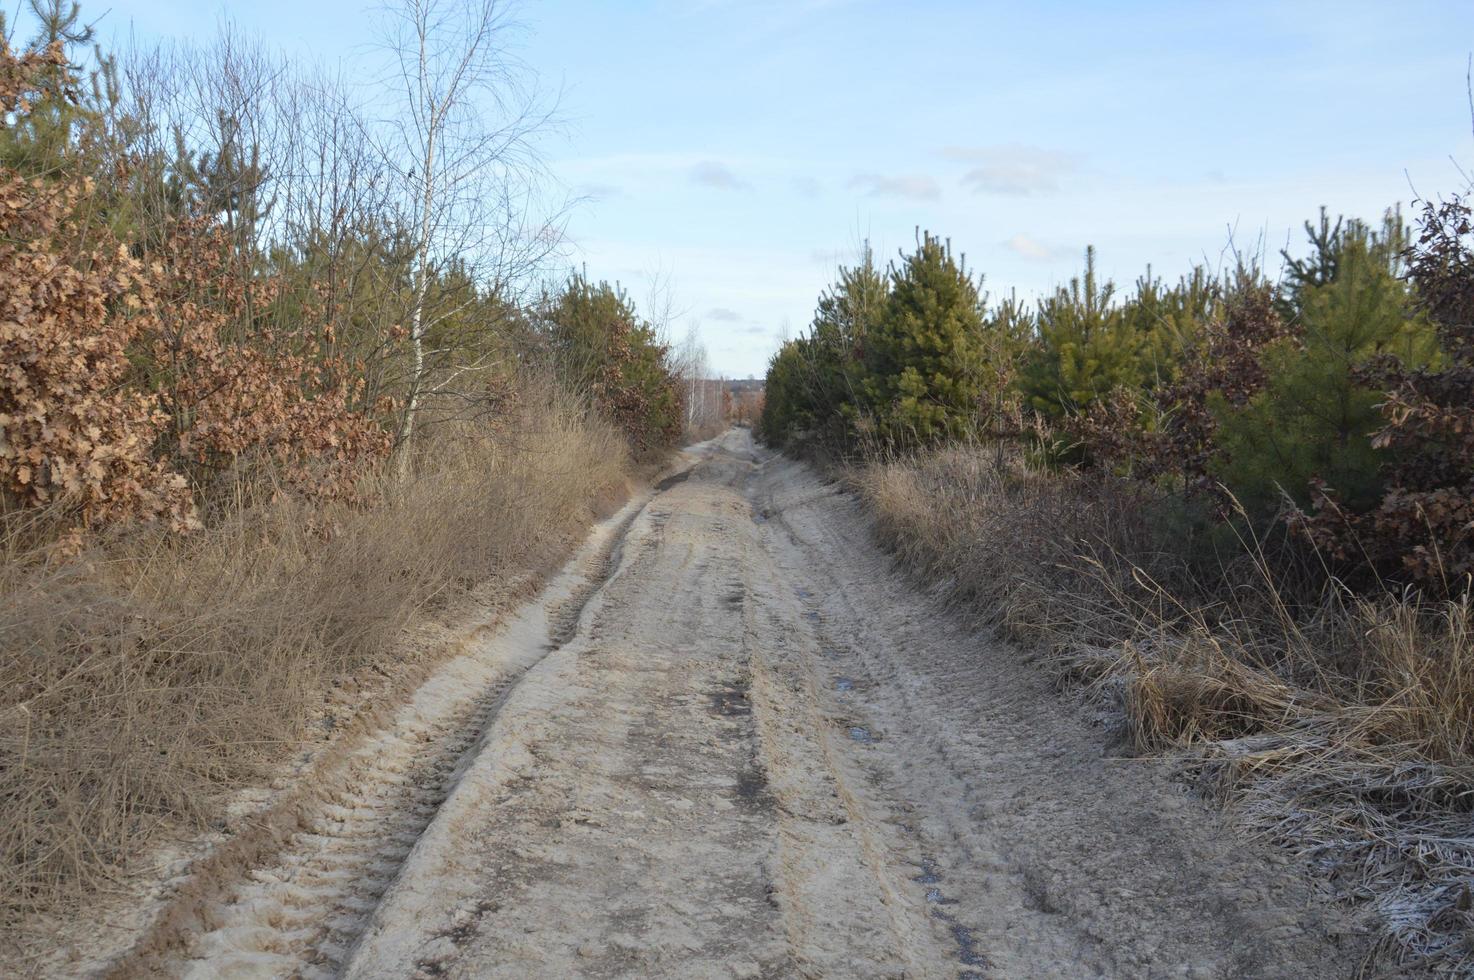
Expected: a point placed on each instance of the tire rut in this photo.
(299, 909)
(1038, 853)
(302, 915)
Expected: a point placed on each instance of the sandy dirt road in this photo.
(731, 742)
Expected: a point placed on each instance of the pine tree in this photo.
(1167, 321)
(923, 359)
(832, 354)
(42, 140)
(1314, 418)
(1422, 529)
(1087, 348)
(602, 346)
(786, 396)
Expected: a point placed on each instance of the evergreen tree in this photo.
(1087, 348)
(923, 358)
(602, 346)
(42, 140)
(831, 355)
(1314, 418)
(786, 396)
(1167, 321)
(815, 382)
(1422, 530)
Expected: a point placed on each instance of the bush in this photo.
(600, 345)
(126, 375)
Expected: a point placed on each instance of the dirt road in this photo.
(730, 742)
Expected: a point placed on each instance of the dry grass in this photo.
(701, 433)
(1341, 727)
(143, 681)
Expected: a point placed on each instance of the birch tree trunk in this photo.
(463, 145)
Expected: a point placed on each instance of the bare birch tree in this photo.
(463, 141)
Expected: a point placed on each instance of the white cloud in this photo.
(917, 187)
(1013, 170)
(711, 173)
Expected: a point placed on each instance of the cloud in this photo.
(723, 315)
(807, 186)
(1014, 171)
(600, 192)
(917, 187)
(1030, 248)
(714, 174)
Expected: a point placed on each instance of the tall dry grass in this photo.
(147, 678)
(1340, 726)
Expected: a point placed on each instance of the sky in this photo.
(728, 154)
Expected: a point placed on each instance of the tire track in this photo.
(303, 895)
(723, 744)
(1037, 855)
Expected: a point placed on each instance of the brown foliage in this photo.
(1423, 528)
(18, 74)
(124, 375)
(69, 425)
(238, 387)
(1224, 362)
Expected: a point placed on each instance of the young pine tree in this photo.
(923, 359)
(1314, 418)
(831, 354)
(787, 398)
(602, 347)
(1087, 348)
(1422, 530)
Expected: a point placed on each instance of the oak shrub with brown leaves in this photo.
(72, 427)
(130, 377)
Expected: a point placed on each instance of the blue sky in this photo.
(738, 149)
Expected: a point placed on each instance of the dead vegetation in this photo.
(1341, 727)
(144, 679)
